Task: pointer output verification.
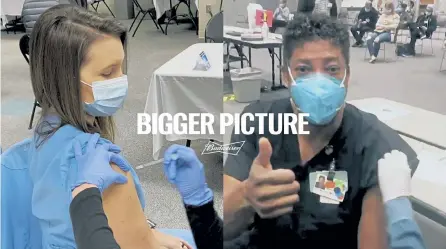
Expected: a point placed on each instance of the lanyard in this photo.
(332, 167)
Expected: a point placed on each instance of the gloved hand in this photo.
(183, 169)
(394, 176)
(94, 166)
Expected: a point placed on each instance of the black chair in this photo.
(24, 48)
(172, 15)
(95, 5)
(81, 3)
(214, 29)
(152, 14)
(14, 25)
(214, 33)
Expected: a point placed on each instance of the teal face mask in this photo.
(109, 96)
(319, 95)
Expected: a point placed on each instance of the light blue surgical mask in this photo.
(319, 95)
(109, 96)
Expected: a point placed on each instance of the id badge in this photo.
(334, 190)
(322, 199)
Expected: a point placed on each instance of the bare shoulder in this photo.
(125, 215)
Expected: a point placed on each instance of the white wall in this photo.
(205, 17)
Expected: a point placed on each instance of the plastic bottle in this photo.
(265, 31)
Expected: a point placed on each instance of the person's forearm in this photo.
(90, 225)
(401, 226)
(206, 226)
(390, 27)
(393, 26)
(237, 212)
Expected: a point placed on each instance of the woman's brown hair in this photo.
(58, 48)
(391, 6)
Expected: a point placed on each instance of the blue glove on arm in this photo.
(183, 169)
(94, 166)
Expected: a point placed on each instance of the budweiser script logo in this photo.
(230, 149)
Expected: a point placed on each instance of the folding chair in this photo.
(150, 11)
(382, 48)
(14, 25)
(95, 5)
(214, 33)
(214, 29)
(24, 48)
(83, 3)
(172, 14)
(402, 35)
(421, 44)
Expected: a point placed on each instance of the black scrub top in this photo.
(357, 146)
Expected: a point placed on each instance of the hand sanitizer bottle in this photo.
(265, 31)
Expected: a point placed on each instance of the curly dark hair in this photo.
(307, 28)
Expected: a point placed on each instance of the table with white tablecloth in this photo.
(177, 88)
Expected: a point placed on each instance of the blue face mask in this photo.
(109, 96)
(319, 95)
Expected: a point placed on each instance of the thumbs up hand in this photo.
(271, 193)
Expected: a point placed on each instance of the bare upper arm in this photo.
(125, 215)
(372, 227)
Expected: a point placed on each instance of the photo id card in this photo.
(334, 190)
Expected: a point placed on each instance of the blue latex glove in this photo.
(94, 166)
(183, 169)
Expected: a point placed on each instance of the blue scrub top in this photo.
(53, 171)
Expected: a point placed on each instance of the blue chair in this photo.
(19, 228)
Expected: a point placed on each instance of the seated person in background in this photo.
(387, 22)
(424, 27)
(77, 64)
(405, 19)
(281, 16)
(411, 10)
(367, 18)
(269, 186)
(282, 13)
